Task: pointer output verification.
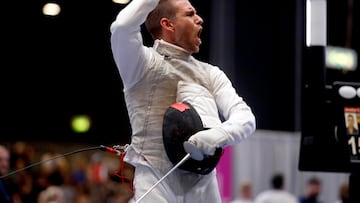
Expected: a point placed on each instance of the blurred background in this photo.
(61, 90)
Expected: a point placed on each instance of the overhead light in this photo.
(121, 1)
(51, 9)
(341, 58)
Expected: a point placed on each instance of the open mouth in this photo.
(199, 33)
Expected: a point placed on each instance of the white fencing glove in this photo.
(203, 142)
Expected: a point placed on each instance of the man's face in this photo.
(314, 189)
(187, 26)
(4, 161)
(350, 121)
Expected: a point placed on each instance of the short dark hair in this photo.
(277, 181)
(314, 181)
(164, 9)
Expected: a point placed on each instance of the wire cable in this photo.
(51, 159)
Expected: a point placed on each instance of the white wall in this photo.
(267, 152)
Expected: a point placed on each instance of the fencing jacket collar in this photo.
(172, 51)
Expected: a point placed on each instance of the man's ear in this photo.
(167, 24)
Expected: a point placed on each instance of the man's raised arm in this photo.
(126, 41)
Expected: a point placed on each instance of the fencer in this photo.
(151, 76)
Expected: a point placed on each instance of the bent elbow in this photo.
(250, 126)
(117, 26)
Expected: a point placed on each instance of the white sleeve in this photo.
(130, 55)
(239, 120)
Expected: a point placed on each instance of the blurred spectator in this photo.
(21, 155)
(98, 178)
(79, 170)
(245, 193)
(56, 173)
(343, 193)
(22, 187)
(312, 191)
(52, 194)
(4, 169)
(22, 183)
(277, 194)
